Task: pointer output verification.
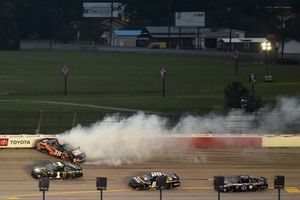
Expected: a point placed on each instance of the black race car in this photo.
(243, 183)
(58, 170)
(60, 149)
(149, 181)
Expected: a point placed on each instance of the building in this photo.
(247, 45)
(125, 38)
(290, 47)
(183, 37)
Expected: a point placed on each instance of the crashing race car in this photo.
(148, 181)
(60, 149)
(58, 170)
(243, 183)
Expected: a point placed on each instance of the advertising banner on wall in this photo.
(20, 141)
(102, 10)
(190, 19)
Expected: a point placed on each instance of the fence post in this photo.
(39, 122)
(74, 119)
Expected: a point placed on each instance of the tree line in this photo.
(61, 19)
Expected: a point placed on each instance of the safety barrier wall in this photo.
(222, 141)
(197, 140)
(281, 141)
(20, 141)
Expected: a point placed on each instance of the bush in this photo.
(239, 97)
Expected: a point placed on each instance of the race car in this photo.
(243, 183)
(58, 170)
(60, 149)
(149, 181)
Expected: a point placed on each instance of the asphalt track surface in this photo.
(196, 168)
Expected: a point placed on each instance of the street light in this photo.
(163, 75)
(267, 47)
(43, 185)
(101, 184)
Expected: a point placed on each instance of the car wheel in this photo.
(44, 175)
(44, 151)
(168, 186)
(71, 176)
(230, 189)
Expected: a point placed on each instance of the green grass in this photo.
(195, 84)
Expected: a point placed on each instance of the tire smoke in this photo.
(119, 140)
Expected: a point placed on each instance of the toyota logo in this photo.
(3, 142)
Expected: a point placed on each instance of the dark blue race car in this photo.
(149, 181)
(243, 184)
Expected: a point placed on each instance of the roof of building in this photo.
(174, 29)
(189, 32)
(241, 40)
(127, 32)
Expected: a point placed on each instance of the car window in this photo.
(244, 180)
(146, 177)
(67, 147)
(68, 169)
(50, 166)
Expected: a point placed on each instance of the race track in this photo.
(196, 168)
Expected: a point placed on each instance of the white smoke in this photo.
(117, 140)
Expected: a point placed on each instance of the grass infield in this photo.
(194, 84)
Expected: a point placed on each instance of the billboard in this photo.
(190, 19)
(102, 9)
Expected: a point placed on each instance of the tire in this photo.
(44, 151)
(230, 189)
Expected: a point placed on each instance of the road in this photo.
(196, 168)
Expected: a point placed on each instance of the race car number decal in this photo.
(57, 153)
(137, 180)
(156, 173)
(58, 175)
(244, 187)
(153, 184)
(76, 152)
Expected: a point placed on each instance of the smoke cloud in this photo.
(117, 140)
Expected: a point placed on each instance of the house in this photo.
(183, 37)
(249, 45)
(125, 38)
(290, 47)
(170, 36)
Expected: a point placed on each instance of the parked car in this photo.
(57, 170)
(149, 181)
(60, 149)
(243, 183)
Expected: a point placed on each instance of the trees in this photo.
(239, 97)
(44, 18)
(9, 38)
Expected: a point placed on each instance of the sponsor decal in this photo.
(19, 142)
(3, 142)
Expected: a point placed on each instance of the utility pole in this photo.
(111, 21)
(230, 28)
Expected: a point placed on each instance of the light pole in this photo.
(236, 56)
(101, 184)
(65, 72)
(43, 185)
(267, 47)
(163, 75)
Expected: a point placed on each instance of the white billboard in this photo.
(190, 19)
(102, 9)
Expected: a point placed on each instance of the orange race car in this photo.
(60, 149)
